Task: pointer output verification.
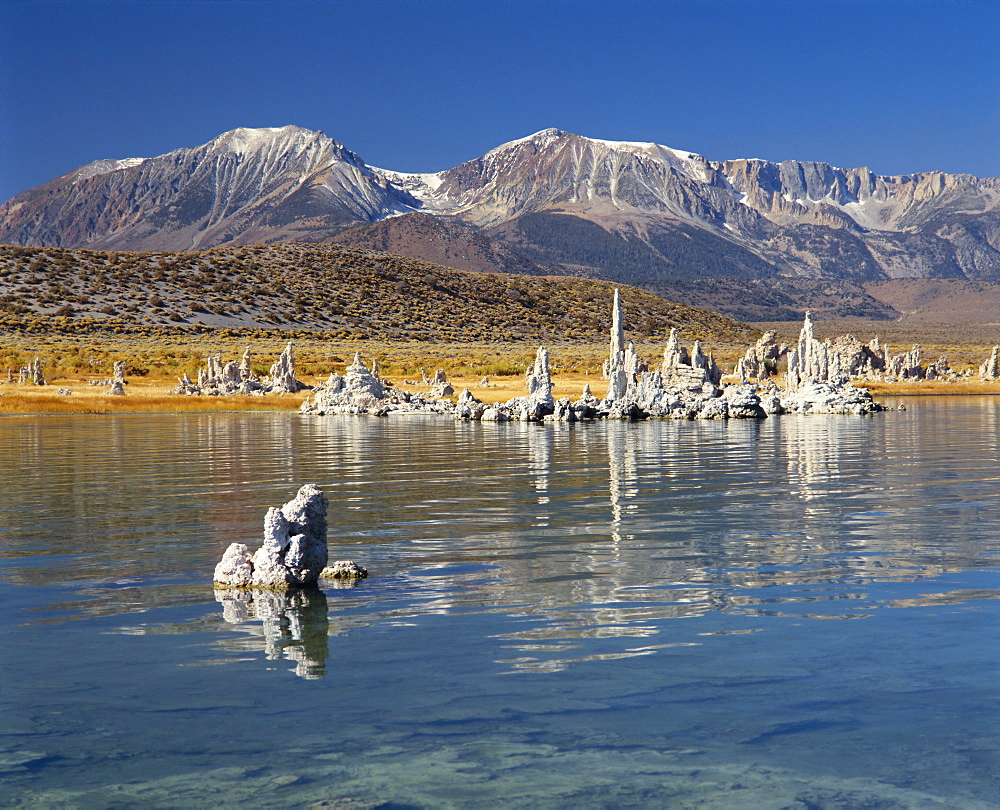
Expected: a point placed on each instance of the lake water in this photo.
(795, 613)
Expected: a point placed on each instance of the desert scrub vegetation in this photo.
(344, 292)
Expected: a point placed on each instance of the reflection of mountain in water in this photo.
(291, 625)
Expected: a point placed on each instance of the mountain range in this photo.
(761, 234)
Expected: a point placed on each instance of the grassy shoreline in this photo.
(155, 363)
(154, 396)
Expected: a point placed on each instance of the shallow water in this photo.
(798, 612)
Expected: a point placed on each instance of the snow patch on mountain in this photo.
(422, 187)
(103, 167)
(541, 139)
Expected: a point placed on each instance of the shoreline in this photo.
(155, 396)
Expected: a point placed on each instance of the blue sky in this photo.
(898, 85)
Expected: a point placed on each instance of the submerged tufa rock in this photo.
(344, 569)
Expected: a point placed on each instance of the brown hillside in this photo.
(443, 241)
(339, 291)
(940, 300)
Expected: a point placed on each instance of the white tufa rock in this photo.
(117, 381)
(283, 373)
(687, 385)
(761, 360)
(31, 374)
(815, 382)
(358, 391)
(294, 550)
(235, 569)
(990, 370)
(219, 379)
(539, 378)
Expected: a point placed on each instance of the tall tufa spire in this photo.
(617, 328)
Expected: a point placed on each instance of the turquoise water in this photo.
(800, 612)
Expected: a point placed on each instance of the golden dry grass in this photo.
(155, 395)
(151, 397)
(924, 388)
(155, 363)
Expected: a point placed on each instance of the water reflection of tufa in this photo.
(293, 624)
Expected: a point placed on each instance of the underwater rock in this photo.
(294, 550)
(343, 569)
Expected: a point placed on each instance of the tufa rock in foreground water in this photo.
(294, 552)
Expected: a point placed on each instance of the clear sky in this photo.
(421, 85)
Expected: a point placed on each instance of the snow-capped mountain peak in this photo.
(262, 184)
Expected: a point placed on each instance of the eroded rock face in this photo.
(294, 550)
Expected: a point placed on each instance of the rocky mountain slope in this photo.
(339, 291)
(638, 213)
(245, 186)
(444, 240)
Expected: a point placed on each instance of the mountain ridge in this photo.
(625, 211)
